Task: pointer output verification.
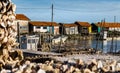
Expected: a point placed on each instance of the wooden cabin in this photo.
(69, 28)
(22, 23)
(42, 26)
(94, 28)
(84, 27)
(109, 26)
(108, 29)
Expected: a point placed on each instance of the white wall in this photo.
(56, 30)
(71, 30)
(35, 29)
(112, 29)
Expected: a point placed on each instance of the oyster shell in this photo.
(2, 33)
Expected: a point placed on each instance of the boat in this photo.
(59, 39)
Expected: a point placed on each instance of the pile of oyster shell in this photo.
(8, 33)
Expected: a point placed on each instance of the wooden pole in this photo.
(74, 37)
(51, 27)
(103, 29)
(61, 39)
(18, 28)
(115, 35)
(112, 42)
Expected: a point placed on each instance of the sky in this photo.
(69, 11)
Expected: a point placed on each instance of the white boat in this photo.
(59, 39)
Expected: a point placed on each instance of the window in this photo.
(31, 40)
(38, 27)
(23, 27)
(44, 27)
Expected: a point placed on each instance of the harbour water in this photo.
(103, 45)
(107, 45)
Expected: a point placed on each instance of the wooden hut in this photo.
(42, 26)
(69, 28)
(109, 26)
(84, 27)
(22, 20)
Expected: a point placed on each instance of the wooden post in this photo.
(103, 27)
(74, 35)
(18, 28)
(61, 39)
(112, 42)
(116, 41)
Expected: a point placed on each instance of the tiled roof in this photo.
(108, 24)
(83, 24)
(22, 17)
(43, 23)
(70, 25)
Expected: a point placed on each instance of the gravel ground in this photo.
(89, 57)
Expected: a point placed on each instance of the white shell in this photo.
(3, 25)
(4, 4)
(0, 16)
(0, 21)
(9, 12)
(9, 6)
(2, 33)
(5, 39)
(14, 28)
(11, 40)
(4, 17)
(11, 17)
(3, 10)
(9, 0)
(10, 23)
(0, 5)
(13, 7)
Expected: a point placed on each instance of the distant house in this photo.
(22, 20)
(109, 26)
(70, 28)
(42, 26)
(84, 27)
(94, 28)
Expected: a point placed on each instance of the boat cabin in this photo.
(29, 42)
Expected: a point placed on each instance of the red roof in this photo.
(43, 23)
(83, 24)
(108, 24)
(70, 25)
(22, 17)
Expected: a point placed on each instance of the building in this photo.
(108, 29)
(22, 23)
(94, 28)
(84, 27)
(69, 28)
(109, 26)
(42, 26)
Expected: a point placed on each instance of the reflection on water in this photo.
(104, 45)
(107, 44)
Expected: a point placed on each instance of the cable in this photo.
(31, 8)
(71, 10)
